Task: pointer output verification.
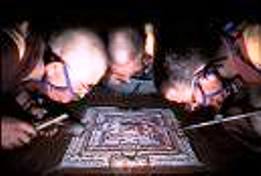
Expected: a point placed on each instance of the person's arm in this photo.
(14, 132)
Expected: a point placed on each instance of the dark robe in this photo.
(14, 69)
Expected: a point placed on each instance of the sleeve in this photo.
(9, 60)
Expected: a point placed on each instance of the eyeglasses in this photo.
(66, 90)
(203, 74)
(48, 87)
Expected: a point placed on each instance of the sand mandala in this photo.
(120, 138)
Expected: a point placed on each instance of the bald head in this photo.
(84, 55)
(124, 44)
(252, 41)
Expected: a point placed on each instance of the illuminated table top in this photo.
(127, 140)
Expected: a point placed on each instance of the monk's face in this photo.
(65, 84)
(125, 60)
(208, 92)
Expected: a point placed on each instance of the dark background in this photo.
(112, 12)
(173, 19)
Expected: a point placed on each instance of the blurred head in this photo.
(190, 82)
(182, 75)
(125, 49)
(82, 64)
(252, 44)
(178, 85)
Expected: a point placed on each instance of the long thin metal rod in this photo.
(51, 122)
(222, 120)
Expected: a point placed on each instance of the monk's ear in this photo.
(55, 73)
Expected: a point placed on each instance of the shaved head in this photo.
(83, 52)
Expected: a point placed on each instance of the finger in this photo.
(54, 131)
(17, 143)
(51, 132)
(45, 133)
(41, 133)
(11, 145)
(24, 138)
(29, 129)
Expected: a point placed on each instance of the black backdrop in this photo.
(102, 14)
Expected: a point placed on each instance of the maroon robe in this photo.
(14, 69)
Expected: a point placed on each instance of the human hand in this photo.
(15, 133)
(50, 132)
